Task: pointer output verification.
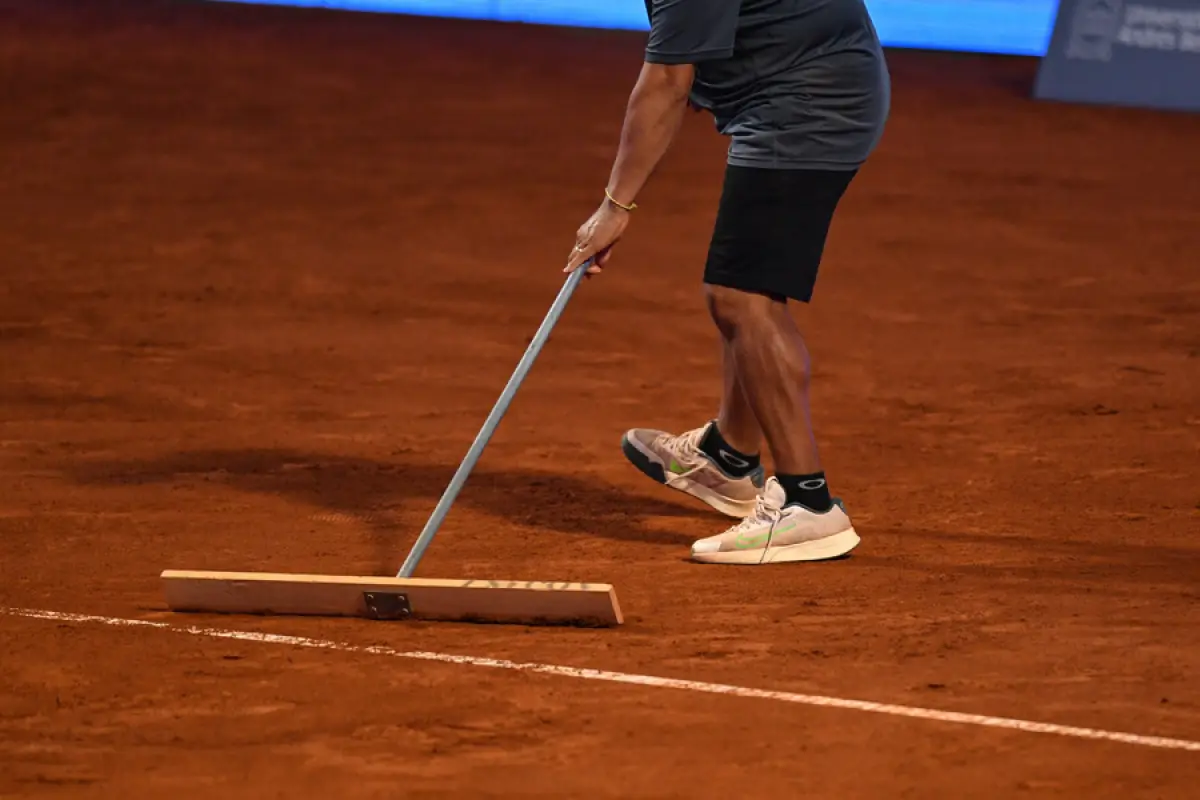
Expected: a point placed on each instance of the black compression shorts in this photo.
(771, 229)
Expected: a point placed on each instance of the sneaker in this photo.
(774, 533)
(676, 461)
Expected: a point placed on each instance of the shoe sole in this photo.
(650, 466)
(825, 549)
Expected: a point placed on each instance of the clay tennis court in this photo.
(265, 272)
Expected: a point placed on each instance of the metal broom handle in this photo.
(493, 421)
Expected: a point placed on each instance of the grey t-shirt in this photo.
(794, 83)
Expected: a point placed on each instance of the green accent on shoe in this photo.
(753, 543)
(676, 467)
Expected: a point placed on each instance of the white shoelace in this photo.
(684, 445)
(765, 513)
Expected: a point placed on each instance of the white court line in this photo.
(913, 712)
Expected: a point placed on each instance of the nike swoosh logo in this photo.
(744, 542)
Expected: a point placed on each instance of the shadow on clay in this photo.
(370, 492)
(366, 490)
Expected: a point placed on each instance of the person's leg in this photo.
(766, 250)
(736, 420)
(733, 439)
(795, 519)
(719, 462)
(771, 366)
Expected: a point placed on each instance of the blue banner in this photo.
(1013, 27)
(1121, 52)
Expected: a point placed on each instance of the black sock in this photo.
(734, 463)
(810, 491)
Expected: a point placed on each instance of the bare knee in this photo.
(734, 311)
(759, 330)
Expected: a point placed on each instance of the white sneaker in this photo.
(775, 533)
(676, 461)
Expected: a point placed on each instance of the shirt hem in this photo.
(808, 163)
(656, 57)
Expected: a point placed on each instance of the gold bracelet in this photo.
(613, 200)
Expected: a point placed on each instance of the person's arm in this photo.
(683, 33)
(655, 111)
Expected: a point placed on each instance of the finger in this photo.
(574, 262)
(593, 263)
(579, 255)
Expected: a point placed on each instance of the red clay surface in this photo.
(265, 272)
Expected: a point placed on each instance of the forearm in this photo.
(656, 109)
